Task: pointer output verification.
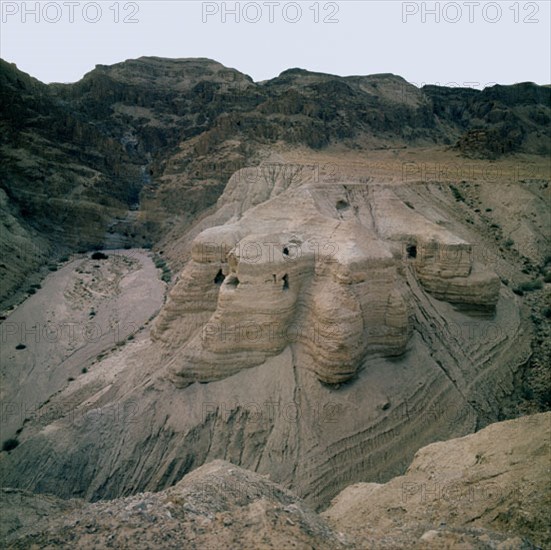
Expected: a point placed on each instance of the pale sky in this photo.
(474, 43)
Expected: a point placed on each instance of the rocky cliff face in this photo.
(218, 505)
(498, 120)
(455, 490)
(321, 266)
(315, 324)
(443, 262)
(163, 136)
(323, 326)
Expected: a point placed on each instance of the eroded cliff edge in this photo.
(321, 266)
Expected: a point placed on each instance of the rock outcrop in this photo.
(162, 136)
(382, 296)
(347, 304)
(217, 506)
(454, 491)
(443, 262)
(317, 266)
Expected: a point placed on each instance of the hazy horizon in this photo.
(445, 43)
(419, 85)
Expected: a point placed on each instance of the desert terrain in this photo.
(273, 311)
(482, 491)
(81, 312)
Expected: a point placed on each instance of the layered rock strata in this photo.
(442, 261)
(316, 266)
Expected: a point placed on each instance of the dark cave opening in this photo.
(233, 281)
(285, 280)
(219, 279)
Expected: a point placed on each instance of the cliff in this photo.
(139, 149)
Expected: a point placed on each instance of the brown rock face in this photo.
(320, 330)
(163, 136)
(317, 267)
(442, 261)
(217, 505)
(496, 479)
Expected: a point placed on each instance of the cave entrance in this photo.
(285, 280)
(99, 256)
(411, 251)
(219, 279)
(233, 281)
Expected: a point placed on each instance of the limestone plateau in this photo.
(294, 286)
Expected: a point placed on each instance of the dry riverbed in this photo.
(82, 311)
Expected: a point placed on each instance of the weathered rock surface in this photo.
(421, 369)
(489, 490)
(418, 371)
(161, 137)
(217, 506)
(496, 479)
(317, 266)
(443, 261)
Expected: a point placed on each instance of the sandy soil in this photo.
(82, 311)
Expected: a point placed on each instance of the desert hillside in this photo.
(487, 490)
(297, 283)
(139, 149)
